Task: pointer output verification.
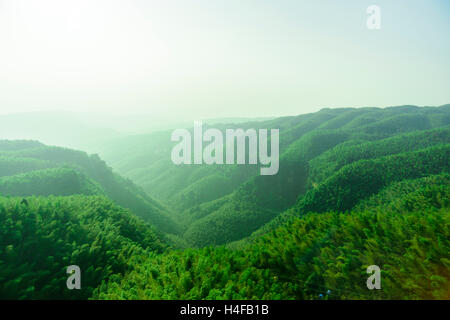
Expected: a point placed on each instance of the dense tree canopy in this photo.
(41, 237)
(356, 187)
(307, 256)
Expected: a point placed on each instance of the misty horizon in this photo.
(175, 60)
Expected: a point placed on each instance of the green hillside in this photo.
(73, 172)
(317, 155)
(360, 179)
(355, 187)
(316, 254)
(222, 203)
(41, 237)
(57, 181)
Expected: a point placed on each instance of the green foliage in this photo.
(316, 157)
(58, 182)
(312, 254)
(145, 159)
(73, 172)
(249, 207)
(363, 178)
(13, 165)
(41, 237)
(353, 150)
(356, 187)
(419, 194)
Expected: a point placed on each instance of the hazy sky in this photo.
(216, 58)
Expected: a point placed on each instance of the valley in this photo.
(351, 182)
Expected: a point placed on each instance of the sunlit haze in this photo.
(202, 58)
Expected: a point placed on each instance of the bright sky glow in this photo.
(213, 58)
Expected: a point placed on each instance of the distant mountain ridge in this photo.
(222, 203)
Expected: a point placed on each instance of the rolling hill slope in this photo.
(351, 183)
(223, 203)
(316, 256)
(73, 172)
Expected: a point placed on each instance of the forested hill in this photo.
(404, 229)
(41, 236)
(356, 187)
(60, 207)
(30, 168)
(219, 204)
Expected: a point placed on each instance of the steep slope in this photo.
(406, 195)
(74, 172)
(305, 163)
(218, 204)
(357, 181)
(146, 158)
(351, 183)
(316, 255)
(13, 165)
(335, 158)
(57, 181)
